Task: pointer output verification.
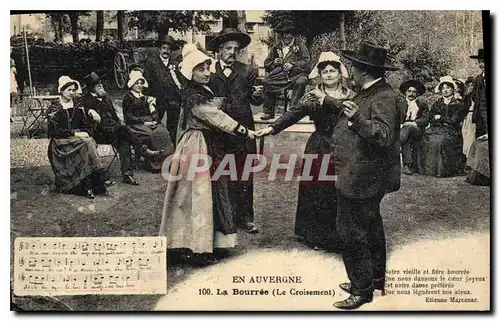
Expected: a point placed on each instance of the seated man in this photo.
(287, 64)
(414, 120)
(109, 130)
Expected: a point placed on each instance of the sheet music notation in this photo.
(75, 266)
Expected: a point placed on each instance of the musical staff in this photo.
(74, 266)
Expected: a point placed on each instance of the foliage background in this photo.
(424, 44)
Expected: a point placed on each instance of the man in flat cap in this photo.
(478, 158)
(478, 97)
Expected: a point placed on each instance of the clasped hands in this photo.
(252, 134)
(349, 108)
(82, 134)
(151, 123)
(286, 65)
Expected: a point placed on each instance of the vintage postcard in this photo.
(250, 160)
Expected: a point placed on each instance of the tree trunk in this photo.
(163, 32)
(120, 16)
(471, 45)
(54, 23)
(242, 26)
(464, 35)
(342, 30)
(231, 21)
(99, 30)
(60, 25)
(73, 17)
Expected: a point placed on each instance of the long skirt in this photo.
(317, 201)
(468, 133)
(479, 163)
(440, 152)
(157, 138)
(72, 160)
(240, 190)
(192, 217)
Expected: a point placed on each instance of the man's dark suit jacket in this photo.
(366, 147)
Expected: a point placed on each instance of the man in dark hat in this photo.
(237, 82)
(165, 82)
(109, 130)
(478, 158)
(367, 163)
(414, 120)
(478, 98)
(287, 64)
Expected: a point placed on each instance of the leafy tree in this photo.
(177, 20)
(309, 23)
(424, 44)
(67, 21)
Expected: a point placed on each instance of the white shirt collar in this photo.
(208, 88)
(447, 100)
(136, 95)
(371, 83)
(223, 64)
(67, 105)
(165, 61)
(289, 45)
(95, 95)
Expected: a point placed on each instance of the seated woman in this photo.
(141, 118)
(72, 152)
(317, 203)
(440, 153)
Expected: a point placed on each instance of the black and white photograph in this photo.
(250, 160)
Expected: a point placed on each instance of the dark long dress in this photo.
(440, 152)
(135, 112)
(73, 159)
(317, 200)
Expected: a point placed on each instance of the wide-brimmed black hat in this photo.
(166, 39)
(480, 55)
(370, 54)
(229, 34)
(285, 26)
(92, 79)
(412, 83)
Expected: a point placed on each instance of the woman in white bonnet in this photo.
(72, 152)
(141, 117)
(441, 151)
(316, 206)
(197, 215)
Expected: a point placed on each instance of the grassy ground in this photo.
(424, 208)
